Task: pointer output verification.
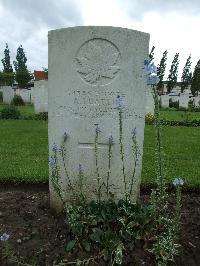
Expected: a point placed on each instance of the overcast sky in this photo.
(172, 24)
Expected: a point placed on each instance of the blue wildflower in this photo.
(55, 147)
(4, 237)
(119, 102)
(150, 71)
(52, 161)
(149, 68)
(178, 182)
(152, 79)
(65, 136)
(111, 140)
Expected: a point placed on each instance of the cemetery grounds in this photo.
(39, 237)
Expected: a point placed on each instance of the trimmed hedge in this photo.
(164, 122)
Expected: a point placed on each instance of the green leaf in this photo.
(70, 245)
(86, 245)
(96, 235)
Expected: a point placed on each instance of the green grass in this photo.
(26, 109)
(179, 115)
(24, 152)
(182, 154)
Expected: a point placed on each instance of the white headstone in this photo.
(175, 98)
(197, 101)
(40, 96)
(8, 94)
(25, 94)
(150, 106)
(183, 100)
(164, 101)
(88, 68)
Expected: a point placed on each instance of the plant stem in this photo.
(135, 153)
(96, 165)
(63, 154)
(109, 167)
(159, 163)
(121, 150)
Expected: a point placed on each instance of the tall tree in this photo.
(173, 73)
(186, 78)
(22, 74)
(161, 69)
(151, 55)
(195, 86)
(6, 61)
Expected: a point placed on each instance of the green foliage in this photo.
(1, 96)
(195, 87)
(149, 118)
(10, 112)
(173, 72)
(7, 78)
(161, 69)
(186, 78)
(6, 61)
(114, 227)
(41, 116)
(23, 76)
(17, 100)
(173, 104)
(151, 55)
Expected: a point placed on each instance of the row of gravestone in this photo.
(183, 100)
(37, 95)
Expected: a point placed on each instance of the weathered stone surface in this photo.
(183, 100)
(197, 101)
(8, 94)
(150, 106)
(88, 68)
(25, 94)
(40, 96)
(164, 100)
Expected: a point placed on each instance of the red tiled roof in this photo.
(40, 75)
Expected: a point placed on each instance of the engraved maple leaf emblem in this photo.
(98, 62)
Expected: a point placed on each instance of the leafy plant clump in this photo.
(10, 112)
(17, 101)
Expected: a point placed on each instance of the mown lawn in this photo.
(26, 109)
(24, 152)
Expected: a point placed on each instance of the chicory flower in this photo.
(178, 182)
(4, 237)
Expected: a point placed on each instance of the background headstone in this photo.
(197, 101)
(8, 94)
(88, 68)
(164, 101)
(40, 96)
(150, 106)
(26, 95)
(183, 100)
